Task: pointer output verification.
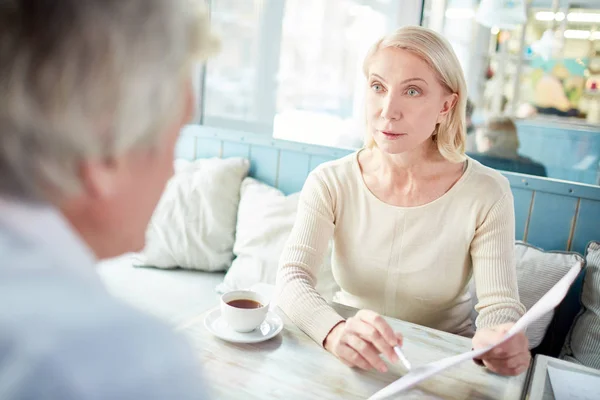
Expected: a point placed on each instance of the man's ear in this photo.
(99, 177)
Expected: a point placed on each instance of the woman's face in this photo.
(404, 100)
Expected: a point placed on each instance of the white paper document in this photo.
(573, 385)
(546, 304)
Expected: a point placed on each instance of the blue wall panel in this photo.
(588, 225)
(185, 147)
(522, 203)
(291, 165)
(567, 151)
(550, 221)
(266, 169)
(208, 148)
(552, 225)
(231, 149)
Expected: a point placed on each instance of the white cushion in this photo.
(193, 226)
(265, 220)
(537, 272)
(583, 342)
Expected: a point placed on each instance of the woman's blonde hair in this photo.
(438, 54)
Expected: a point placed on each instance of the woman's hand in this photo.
(360, 340)
(511, 357)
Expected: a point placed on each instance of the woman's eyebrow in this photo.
(378, 77)
(414, 79)
(404, 81)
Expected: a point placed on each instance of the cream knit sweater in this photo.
(411, 263)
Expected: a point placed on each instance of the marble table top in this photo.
(292, 366)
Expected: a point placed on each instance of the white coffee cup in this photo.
(243, 319)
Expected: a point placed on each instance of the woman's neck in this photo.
(415, 164)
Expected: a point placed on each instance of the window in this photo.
(234, 84)
(544, 74)
(320, 71)
(293, 68)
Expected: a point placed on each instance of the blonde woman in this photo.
(412, 219)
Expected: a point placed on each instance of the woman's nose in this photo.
(391, 108)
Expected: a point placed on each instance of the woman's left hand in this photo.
(511, 357)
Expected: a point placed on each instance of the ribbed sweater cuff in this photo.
(316, 324)
(507, 315)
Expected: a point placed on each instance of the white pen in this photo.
(402, 357)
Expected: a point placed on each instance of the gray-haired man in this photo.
(93, 94)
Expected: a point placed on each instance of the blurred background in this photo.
(292, 69)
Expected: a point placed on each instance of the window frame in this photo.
(265, 93)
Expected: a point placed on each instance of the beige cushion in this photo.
(265, 220)
(583, 342)
(537, 272)
(193, 226)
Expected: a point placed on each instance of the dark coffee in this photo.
(244, 303)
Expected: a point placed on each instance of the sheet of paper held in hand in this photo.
(546, 304)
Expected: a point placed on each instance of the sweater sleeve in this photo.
(301, 259)
(494, 266)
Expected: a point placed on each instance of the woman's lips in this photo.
(392, 135)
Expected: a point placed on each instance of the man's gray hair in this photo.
(86, 79)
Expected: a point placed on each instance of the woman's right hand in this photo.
(360, 340)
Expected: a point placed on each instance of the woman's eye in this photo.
(377, 87)
(413, 92)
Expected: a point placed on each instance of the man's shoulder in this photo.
(71, 339)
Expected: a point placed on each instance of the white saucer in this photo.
(216, 325)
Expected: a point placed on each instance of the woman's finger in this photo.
(351, 357)
(512, 347)
(511, 366)
(506, 371)
(367, 351)
(485, 338)
(371, 334)
(379, 323)
(399, 338)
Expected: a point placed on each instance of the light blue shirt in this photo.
(63, 337)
